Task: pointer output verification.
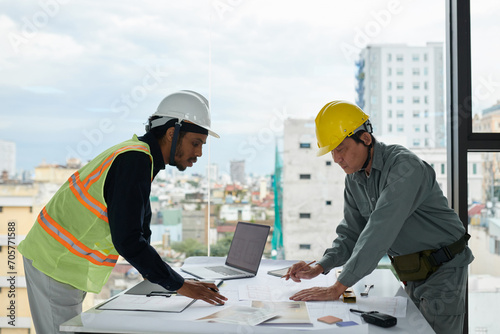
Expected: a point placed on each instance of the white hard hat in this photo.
(184, 105)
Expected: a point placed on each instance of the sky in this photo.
(77, 77)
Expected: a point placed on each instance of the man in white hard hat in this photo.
(103, 211)
(392, 205)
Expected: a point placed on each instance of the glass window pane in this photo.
(485, 70)
(484, 228)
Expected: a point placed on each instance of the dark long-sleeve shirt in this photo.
(126, 191)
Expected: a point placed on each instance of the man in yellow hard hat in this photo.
(104, 211)
(392, 205)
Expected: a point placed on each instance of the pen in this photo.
(307, 264)
(160, 294)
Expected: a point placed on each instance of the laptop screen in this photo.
(247, 246)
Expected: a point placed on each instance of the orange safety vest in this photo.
(71, 240)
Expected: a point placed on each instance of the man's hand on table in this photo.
(208, 292)
(302, 270)
(320, 293)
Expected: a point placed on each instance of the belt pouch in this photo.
(413, 267)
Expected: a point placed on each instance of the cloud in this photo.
(43, 90)
(256, 61)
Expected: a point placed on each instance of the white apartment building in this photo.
(402, 89)
(237, 169)
(8, 161)
(313, 190)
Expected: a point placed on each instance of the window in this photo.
(389, 113)
(474, 168)
(399, 58)
(415, 57)
(416, 142)
(400, 114)
(389, 99)
(389, 57)
(389, 71)
(416, 128)
(416, 113)
(400, 85)
(399, 71)
(304, 215)
(389, 127)
(305, 145)
(426, 85)
(401, 128)
(426, 99)
(415, 71)
(425, 56)
(389, 85)
(416, 100)
(426, 71)
(305, 246)
(416, 85)
(328, 202)
(305, 176)
(442, 169)
(400, 100)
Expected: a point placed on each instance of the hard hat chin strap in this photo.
(368, 158)
(175, 138)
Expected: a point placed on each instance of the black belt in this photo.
(446, 253)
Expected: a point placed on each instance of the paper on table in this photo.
(293, 313)
(337, 308)
(265, 293)
(278, 272)
(395, 306)
(125, 302)
(241, 315)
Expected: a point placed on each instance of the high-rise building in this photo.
(313, 190)
(8, 161)
(212, 173)
(237, 170)
(402, 89)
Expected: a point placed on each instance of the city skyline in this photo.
(78, 78)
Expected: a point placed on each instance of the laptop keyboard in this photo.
(224, 270)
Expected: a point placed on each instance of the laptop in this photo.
(243, 259)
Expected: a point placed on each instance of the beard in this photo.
(178, 155)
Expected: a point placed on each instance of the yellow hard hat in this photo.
(336, 121)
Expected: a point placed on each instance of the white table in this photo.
(385, 285)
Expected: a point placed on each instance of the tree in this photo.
(190, 247)
(221, 248)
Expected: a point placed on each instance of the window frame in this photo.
(461, 140)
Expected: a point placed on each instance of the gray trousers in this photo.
(441, 299)
(51, 302)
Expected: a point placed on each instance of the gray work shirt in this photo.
(398, 209)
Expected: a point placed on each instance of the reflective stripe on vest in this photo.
(80, 192)
(72, 244)
(80, 189)
(96, 174)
